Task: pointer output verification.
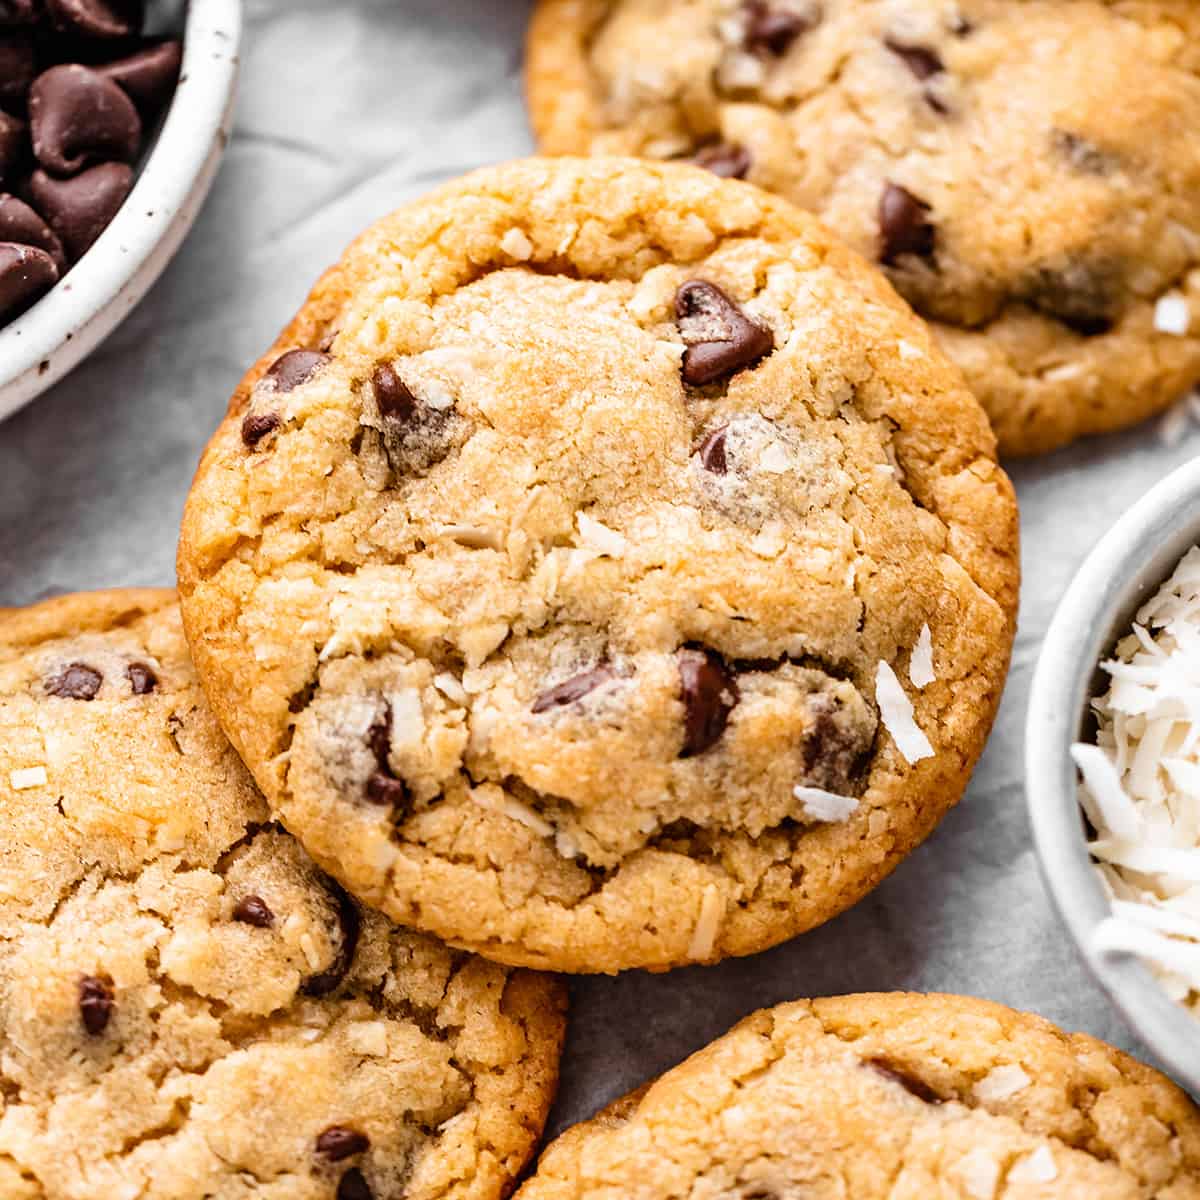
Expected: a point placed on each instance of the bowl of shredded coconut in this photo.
(1113, 766)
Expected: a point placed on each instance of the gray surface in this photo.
(346, 110)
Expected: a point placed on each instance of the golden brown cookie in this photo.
(888, 1097)
(570, 571)
(1026, 171)
(189, 1007)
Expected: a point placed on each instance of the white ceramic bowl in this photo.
(73, 318)
(1125, 569)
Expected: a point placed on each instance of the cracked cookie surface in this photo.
(888, 1097)
(549, 614)
(976, 149)
(189, 1007)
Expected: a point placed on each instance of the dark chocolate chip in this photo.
(256, 426)
(141, 678)
(12, 145)
(96, 1003)
(295, 368)
(573, 689)
(339, 1142)
(349, 923)
(75, 682)
(253, 910)
(379, 738)
(710, 694)
(395, 401)
(387, 791)
(726, 159)
(26, 274)
(17, 66)
(772, 30)
(920, 60)
(149, 76)
(721, 339)
(834, 746)
(19, 223)
(1083, 296)
(904, 225)
(80, 209)
(96, 18)
(76, 116)
(14, 13)
(353, 1186)
(712, 452)
(910, 1083)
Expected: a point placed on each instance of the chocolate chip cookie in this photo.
(888, 1097)
(1025, 171)
(604, 569)
(190, 1008)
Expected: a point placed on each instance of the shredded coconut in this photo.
(920, 663)
(517, 245)
(1038, 1167)
(27, 777)
(451, 688)
(566, 845)
(775, 460)
(1001, 1082)
(473, 537)
(820, 805)
(1172, 314)
(708, 924)
(896, 712)
(599, 537)
(980, 1173)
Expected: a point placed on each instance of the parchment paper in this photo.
(346, 110)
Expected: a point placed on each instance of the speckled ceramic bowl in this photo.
(73, 318)
(1125, 569)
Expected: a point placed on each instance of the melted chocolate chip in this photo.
(149, 76)
(96, 18)
(910, 1083)
(349, 923)
(721, 339)
(26, 274)
(141, 678)
(96, 1003)
(771, 30)
(573, 689)
(353, 1186)
(256, 426)
(75, 682)
(77, 116)
(1083, 296)
(922, 61)
(339, 1142)
(17, 66)
(904, 225)
(395, 401)
(729, 160)
(710, 694)
(712, 452)
(12, 145)
(387, 791)
(80, 209)
(295, 368)
(253, 910)
(19, 223)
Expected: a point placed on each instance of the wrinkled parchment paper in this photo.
(347, 110)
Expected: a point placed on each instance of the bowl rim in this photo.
(1123, 569)
(75, 316)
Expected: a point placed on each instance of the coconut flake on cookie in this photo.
(896, 712)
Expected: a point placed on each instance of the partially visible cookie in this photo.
(604, 569)
(1026, 171)
(189, 1008)
(888, 1097)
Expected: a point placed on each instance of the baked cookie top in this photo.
(888, 1097)
(549, 570)
(190, 1008)
(1026, 171)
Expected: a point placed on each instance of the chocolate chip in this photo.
(726, 159)
(721, 339)
(379, 738)
(141, 678)
(76, 682)
(772, 30)
(96, 1003)
(349, 923)
(712, 452)
(253, 910)
(339, 1142)
(26, 274)
(80, 209)
(17, 66)
(1083, 296)
(710, 694)
(256, 426)
(19, 12)
(353, 1186)
(96, 18)
(77, 116)
(295, 368)
(834, 744)
(387, 791)
(920, 60)
(12, 145)
(149, 76)
(904, 225)
(910, 1083)
(19, 223)
(394, 400)
(573, 689)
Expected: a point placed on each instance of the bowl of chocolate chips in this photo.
(113, 118)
